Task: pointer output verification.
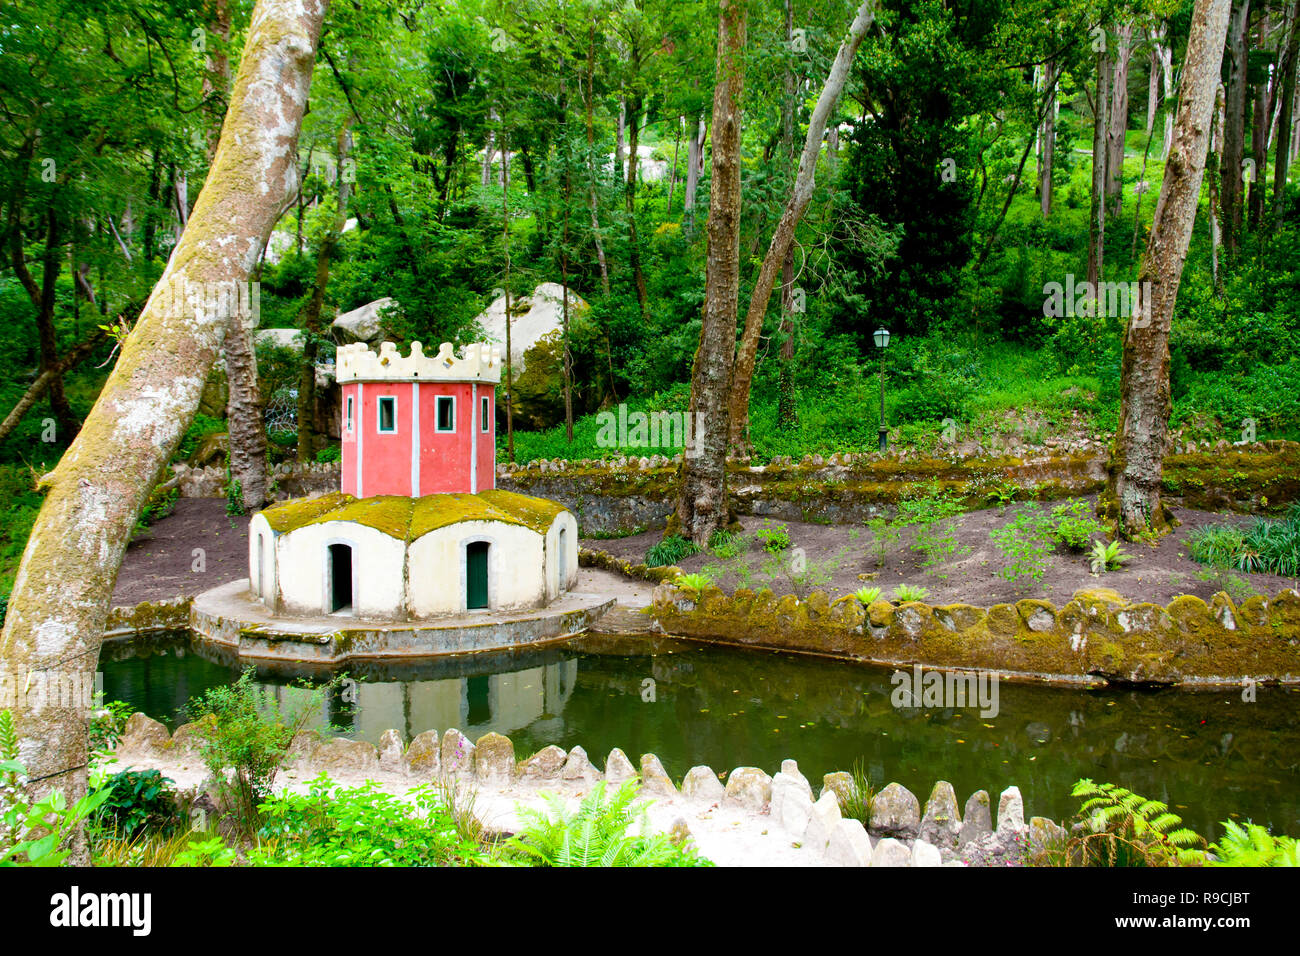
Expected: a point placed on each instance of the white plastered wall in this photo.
(261, 535)
(378, 569)
(438, 567)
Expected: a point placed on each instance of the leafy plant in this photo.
(361, 826)
(867, 595)
(1266, 546)
(250, 734)
(1073, 524)
(137, 800)
(1025, 542)
(1235, 586)
(1253, 845)
(1107, 557)
(212, 852)
(36, 834)
(669, 551)
(694, 582)
(1121, 828)
(910, 592)
(775, 540)
(856, 804)
(727, 544)
(884, 537)
(108, 723)
(596, 834)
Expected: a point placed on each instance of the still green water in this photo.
(1209, 754)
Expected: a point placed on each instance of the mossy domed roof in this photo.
(408, 519)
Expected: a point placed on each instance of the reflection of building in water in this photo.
(503, 703)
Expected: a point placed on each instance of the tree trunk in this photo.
(783, 237)
(702, 505)
(61, 594)
(1234, 128)
(1097, 219)
(1165, 53)
(1213, 168)
(1047, 151)
(591, 161)
(633, 113)
(1286, 84)
(311, 315)
(1133, 493)
(694, 163)
(1259, 123)
(1117, 120)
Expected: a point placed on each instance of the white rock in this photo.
(891, 852)
(701, 783)
(849, 844)
(926, 854)
(1011, 812)
(618, 769)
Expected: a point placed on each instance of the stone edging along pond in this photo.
(1097, 636)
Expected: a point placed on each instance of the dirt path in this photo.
(195, 548)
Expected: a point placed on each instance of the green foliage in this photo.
(867, 595)
(1122, 828)
(1235, 586)
(1266, 546)
(249, 733)
(1025, 543)
(727, 544)
(596, 834)
(1107, 557)
(694, 582)
(200, 427)
(910, 592)
(884, 537)
(669, 551)
(137, 800)
(1073, 524)
(211, 852)
(330, 453)
(36, 834)
(1253, 845)
(107, 724)
(360, 826)
(775, 539)
(856, 804)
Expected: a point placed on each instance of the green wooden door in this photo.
(476, 575)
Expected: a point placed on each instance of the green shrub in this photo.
(1025, 542)
(669, 551)
(1253, 845)
(361, 826)
(137, 800)
(1073, 524)
(694, 582)
(330, 453)
(1121, 828)
(775, 539)
(249, 733)
(884, 537)
(596, 834)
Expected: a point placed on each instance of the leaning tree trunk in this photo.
(783, 238)
(1133, 492)
(60, 598)
(702, 505)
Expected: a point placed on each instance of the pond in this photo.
(1209, 754)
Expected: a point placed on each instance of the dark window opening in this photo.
(485, 418)
(445, 413)
(388, 414)
(340, 557)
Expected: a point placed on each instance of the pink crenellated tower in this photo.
(418, 425)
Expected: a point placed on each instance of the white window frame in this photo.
(437, 403)
(349, 417)
(485, 413)
(379, 415)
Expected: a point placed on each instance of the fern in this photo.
(596, 834)
(1123, 828)
(1253, 845)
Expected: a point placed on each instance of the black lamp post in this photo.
(882, 341)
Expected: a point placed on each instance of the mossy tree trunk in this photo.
(1133, 492)
(702, 505)
(61, 595)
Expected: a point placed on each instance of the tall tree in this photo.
(1237, 98)
(61, 593)
(783, 236)
(702, 501)
(1137, 461)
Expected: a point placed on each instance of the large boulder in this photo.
(494, 758)
(363, 324)
(281, 338)
(941, 822)
(340, 755)
(144, 737)
(701, 783)
(422, 755)
(654, 779)
(457, 753)
(531, 317)
(748, 787)
(546, 764)
(895, 812)
(976, 819)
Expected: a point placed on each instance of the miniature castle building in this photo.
(418, 425)
(432, 535)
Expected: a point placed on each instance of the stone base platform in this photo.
(226, 616)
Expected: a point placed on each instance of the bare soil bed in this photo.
(842, 561)
(161, 561)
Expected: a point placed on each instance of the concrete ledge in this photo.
(227, 617)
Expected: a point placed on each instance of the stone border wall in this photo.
(149, 617)
(1097, 636)
(901, 833)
